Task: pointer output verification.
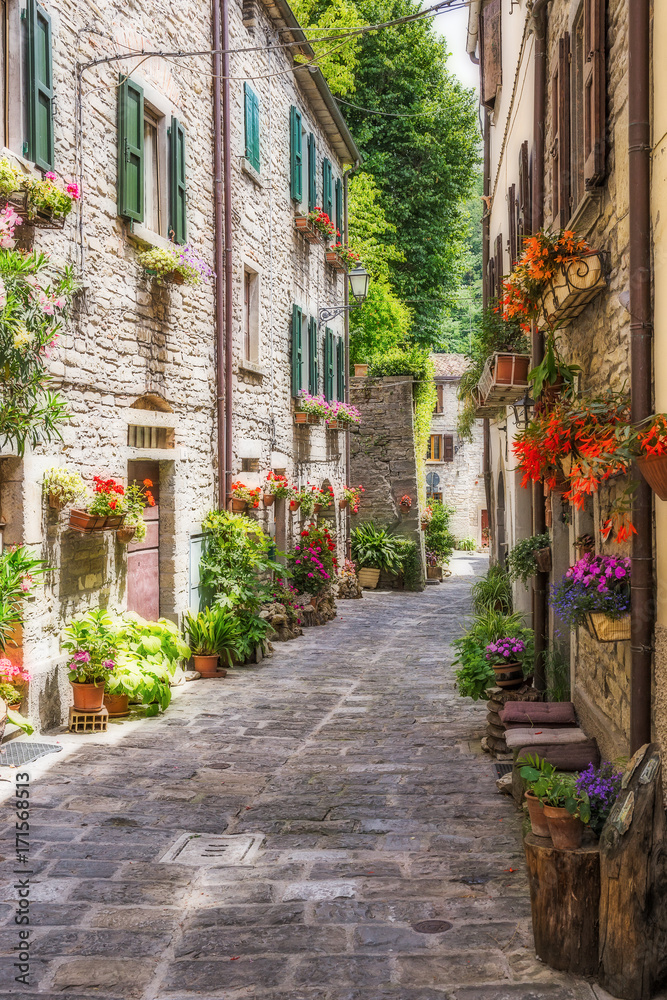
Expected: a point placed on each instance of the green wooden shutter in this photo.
(251, 126)
(40, 87)
(296, 155)
(339, 207)
(340, 369)
(178, 224)
(327, 188)
(297, 352)
(329, 365)
(313, 367)
(131, 150)
(312, 173)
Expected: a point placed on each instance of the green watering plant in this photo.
(521, 562)
(375, 548)
(439, 540)
(494, 591)
(213, 632)
(475, 675)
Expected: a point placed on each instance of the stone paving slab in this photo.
(351, 752)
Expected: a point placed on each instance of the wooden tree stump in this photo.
(633, 870)
(564, 894)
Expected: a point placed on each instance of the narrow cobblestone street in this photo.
(353, 756)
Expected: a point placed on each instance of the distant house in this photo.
(454, 472)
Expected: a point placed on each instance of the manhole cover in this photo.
(431, 926)
(16, 753)
(205, 850)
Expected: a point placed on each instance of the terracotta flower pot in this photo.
(114, 521)
(126, 534)
(206, 665)
(424, 525)
(117, 704)
(268, 499)
(654, 471)
(294, 504)
(342, 504)
(16, 707)
(55, 502)
(84, 522)
(538, 820)
(543, 559)
(406, 508)
(334, 425)
(508, 675)
(317, 508)
(88, 697)
(300, 417)
(566, 831)
(512, 369)
(360, 371)
(238, 506)
(314, 418)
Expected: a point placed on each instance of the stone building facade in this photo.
(136, 362)
(454, 467)
(594, 204)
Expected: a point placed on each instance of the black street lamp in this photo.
(359, 279)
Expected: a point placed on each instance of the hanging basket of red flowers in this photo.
(651, 447)
(106, 512)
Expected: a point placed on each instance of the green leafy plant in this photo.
(552, 371)
(20, 572)
(91, 640)
(411, 565)
(64, 486)
(475, 675)
(253, 632)
(557, 670)
(375, 548)
(44, 195)
(466, 544)
(10, 694)
(521, 563)
(439, 539)
(238, 560)
(493, 591)
(213, 632)
(17, 719)
(184, 261)
(11, 178)
(536, 772)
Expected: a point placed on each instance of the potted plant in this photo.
(360, 370)
(276, 486)
(316, 226)
(62, 486)
(212, 634)
(314, 408)
(374, 549)
(426, 517)
(342, 415)
(405, 503)
(137, 498)
(105, 512)
(47, 204)
(651, 453)
(537, 772)
(306, 500)
(324, 497)
(351, 498)
(177, 265)
(13, 683)
(242, 497)
(601, 785)
(584, 545)
(552, 377)
(91, 640)
(313, 563)
(566, 810)
(340, 256)
(528, 556)
(596, 592)
(505, 657)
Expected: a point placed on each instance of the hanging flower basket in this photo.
(504, 379)
(317, 508)
(307, 229)
(606, 629)
(571, 289)
(237, 505)
(294, 505)
(301, 417)
(171, 278)
(335, 425)
(654, 471)
(342, 504)
(268, 499)
(543, 559)
(55, 502)
(126, 534)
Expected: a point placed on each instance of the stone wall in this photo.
(382, 454)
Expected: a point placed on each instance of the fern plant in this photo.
(375, 548)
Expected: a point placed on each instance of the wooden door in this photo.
(143, 558)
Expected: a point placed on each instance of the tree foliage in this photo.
(318, 19)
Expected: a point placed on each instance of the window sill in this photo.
(587, 212)
(250, 366)
(144, 237)
(247, 168)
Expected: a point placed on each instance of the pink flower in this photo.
(73, 190)
(46, 304)
(49, 176)
(26, 583)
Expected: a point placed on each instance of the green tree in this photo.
(382, 322)
(318, 18)
(460, 322)
(371, 233)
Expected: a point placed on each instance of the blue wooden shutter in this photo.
(251, 126)
(297, 351)
(339, 208)
(340, 369)
(328, 365)
(313, 367)
(131, 150)
(312, 173)
(40, 87)
(327, 188)
(178, 224)
(296, 155)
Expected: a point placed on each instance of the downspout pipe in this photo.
(229, 277)
(642, 609)
(541, 584)
(486, 220)
(346, 300)
(219, 251)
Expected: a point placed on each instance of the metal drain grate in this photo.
(432, 926)
(16, 753)
(205, 850)
(503, 768)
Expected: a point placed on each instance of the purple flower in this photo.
(82, 656)
(109, 664)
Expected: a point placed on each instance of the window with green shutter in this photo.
(297, 350)
(251, 126)
(40, 87)
(313, 366)
(296, 155)
(130, 150)
(329, 365)
(327, 188)
(178, 225)
(312, 173)
(340, 369)
(339, 207)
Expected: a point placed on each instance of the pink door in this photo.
(143, 558)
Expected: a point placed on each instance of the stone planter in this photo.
(538, 820)
(88, 697)
(565, 831)
(607, 629)
(368, 578)
(307, 230)
(117, 705)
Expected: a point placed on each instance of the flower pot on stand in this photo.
(208, 666)
(508, 675)
(88, 697)
(294, 505)
(117, 705)
(565, 831)
(538, 820)
(268, 499)
(369, 578)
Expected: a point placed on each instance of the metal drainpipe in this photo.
(227, 167)
(219, 251)
(485, 300)
(540, 587)
(641, 344)
(346, 301)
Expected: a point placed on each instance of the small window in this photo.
(578, 154)
(433, 453)
(439, 403)
(251, 350)
(448, 447)
(152, 200)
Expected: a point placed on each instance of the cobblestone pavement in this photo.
(352, 754)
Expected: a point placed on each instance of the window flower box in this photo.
(86, 524)
(336, 425)
(303, 225)
(504, 379)
(301, 417)
(333, 258)
(573, 287)
(606, 629)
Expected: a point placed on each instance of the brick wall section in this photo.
(382, 453)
